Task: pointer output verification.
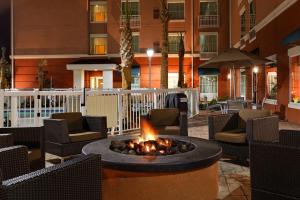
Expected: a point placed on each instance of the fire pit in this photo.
(150, 167)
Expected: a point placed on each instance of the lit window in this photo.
(172, 80)
(135, 77)
(98, 45)
(272, 85)
(174, 39)
(243, 83)
(98, 12)
(208, 45)
(243, 24)
(133, 8)
(176, 10)
(136, 42)
(209, 86)
(295, 79)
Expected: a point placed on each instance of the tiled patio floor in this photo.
(234, 180)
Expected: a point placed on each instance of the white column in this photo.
(78, 79)
(108, 79)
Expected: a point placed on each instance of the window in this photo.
(173, 80)
(243, 83)
(208, 45)
(98, 44)
(252, 14)
(208, 7)
(136, 42)
(174, 39)
(295, 79)
(272, 85)
(134, 7)
(176, 9)
(96, 82)
(135, 77)
(243, 24)
(209, 86)
(98, 12)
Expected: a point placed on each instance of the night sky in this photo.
(5, 24)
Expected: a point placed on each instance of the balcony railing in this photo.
(135, 21)
(209, 21)
(252, 21)
(207, 55)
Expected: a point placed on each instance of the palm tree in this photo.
(3, 69)
(164, 18)
(41, 74)
(181, 53)
(126, 50)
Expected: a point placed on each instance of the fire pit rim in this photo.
(203, 155)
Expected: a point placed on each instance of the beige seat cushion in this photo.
(74, 120)
(247, 114)
(231, 137)
(164, 117)
(34, 154)
(85, 136)
(168, 130)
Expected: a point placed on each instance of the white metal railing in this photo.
(208, 21)
(29, 108)
(135, 21)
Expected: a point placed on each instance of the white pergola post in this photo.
(108, 79)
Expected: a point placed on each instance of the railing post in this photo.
(37, 107)
(155, 99)
(1, 108)
(14, 111)
(120, 111)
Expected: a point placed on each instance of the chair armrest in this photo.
(263, 129)
(222, 122)
(289, 137)
(6, 140)
(76, 179)
(183, 123)
(97, 124)
(275, 168)
(56, 130)
(14, 161)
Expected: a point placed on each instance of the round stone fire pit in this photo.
(186, 175)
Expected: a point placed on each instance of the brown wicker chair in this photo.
(234, 131)
(32, 137)
(167, 121)
(79, 178)
(67, 133)
(275, 167)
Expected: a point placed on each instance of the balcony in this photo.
(207, 55)
(135, 21)
(209, 21)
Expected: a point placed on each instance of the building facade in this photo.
(80, 41)
(271, 30)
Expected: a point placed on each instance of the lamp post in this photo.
(255, 71)
(150, 53)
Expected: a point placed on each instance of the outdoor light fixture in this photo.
(255, 70)
(229, 76)
(150, 53)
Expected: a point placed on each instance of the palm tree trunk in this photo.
(164, 17)
(181, 59)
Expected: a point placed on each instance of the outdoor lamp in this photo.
(150, 53)
(255, 70)
(229, 76)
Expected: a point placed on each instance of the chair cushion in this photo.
(247, 114)
(34, 154)
(85, 136)
(233, 136)
(168, 130)
(74, 120)
(164, 117)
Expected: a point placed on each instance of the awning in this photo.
(208, 71)
(93, 64)
(292, 37)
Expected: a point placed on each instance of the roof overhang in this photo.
(92, 67)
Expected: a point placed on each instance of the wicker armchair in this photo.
(167, 121)
(76, 179)
(67, 133)
(234, 131)
(32, 137)
(275, 168)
